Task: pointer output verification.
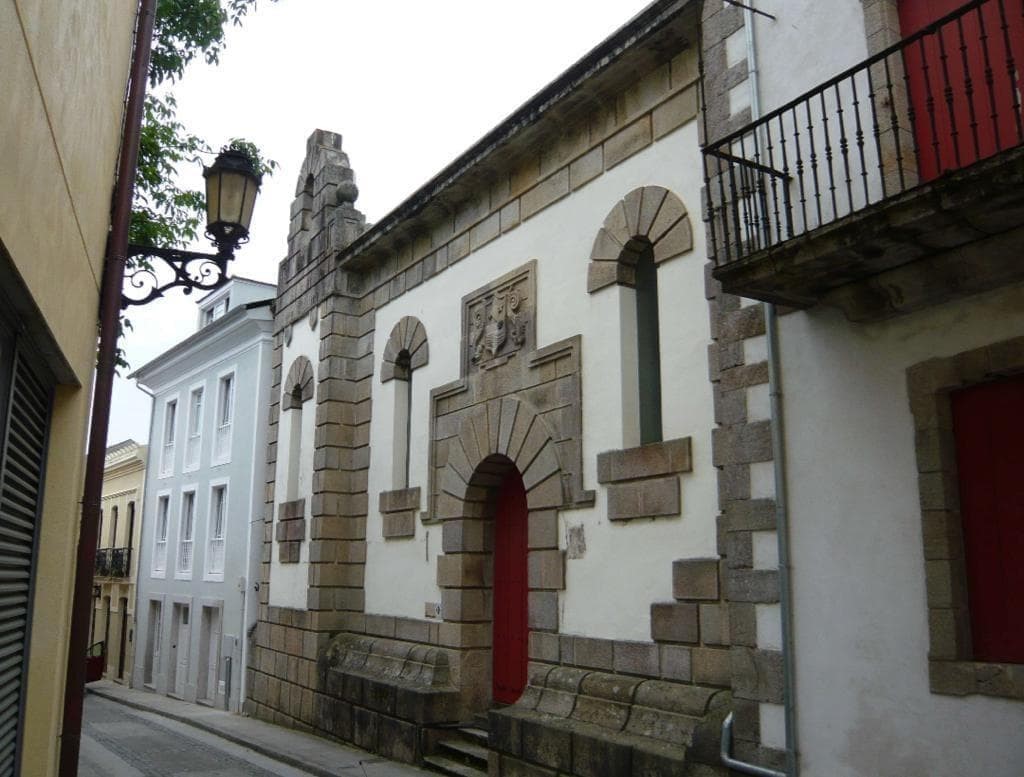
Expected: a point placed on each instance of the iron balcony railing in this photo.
(121, 562)
(103, 556)
(113, 562)
(939, 100)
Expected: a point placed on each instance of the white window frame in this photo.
(210, 574)
(197, 435)
(162, 571)
(224, 431)
(179, 572)
(168, 449)
(214, 310)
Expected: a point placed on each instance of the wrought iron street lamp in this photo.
(232, 183)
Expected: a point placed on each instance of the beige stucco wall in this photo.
(65, 68)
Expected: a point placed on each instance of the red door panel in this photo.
(510, 626)
(950, 72)
(988, 422)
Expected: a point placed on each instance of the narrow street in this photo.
(121, 741)
(118, 741)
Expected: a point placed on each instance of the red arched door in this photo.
(510, 629)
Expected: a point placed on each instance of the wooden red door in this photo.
(959, 117)
(988, 422)
(510, 627)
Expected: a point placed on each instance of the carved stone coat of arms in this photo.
(499, 319)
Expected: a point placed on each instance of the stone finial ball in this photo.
(347, 192)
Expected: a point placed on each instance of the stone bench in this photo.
(597, 724)
(381, 693)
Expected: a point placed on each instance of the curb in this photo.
(285, 758)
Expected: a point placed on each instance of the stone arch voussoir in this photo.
(298, 385)
(409, 336)
(649, 216)
(493, 438)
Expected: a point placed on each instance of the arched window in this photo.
(647, 227)
(298, 389)
(405, 352)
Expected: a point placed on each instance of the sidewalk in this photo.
(303, 751)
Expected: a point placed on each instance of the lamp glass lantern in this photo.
(232, 183)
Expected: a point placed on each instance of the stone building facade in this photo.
(468, 340)
(528, 469)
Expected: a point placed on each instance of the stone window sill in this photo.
(964, 678)
(398, 510)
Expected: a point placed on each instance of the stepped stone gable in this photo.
(323, 221)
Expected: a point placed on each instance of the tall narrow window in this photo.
(405, 352)
(225, 415)
(648, 350)
(99, 531)
(402, 422)
(193, 445)
(298, 389)
(185, 531)
(113, 527)
(218, 518)
(130, 539)
(170, 422)
(294, 446)
(163, 507)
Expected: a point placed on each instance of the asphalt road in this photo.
(118, 741)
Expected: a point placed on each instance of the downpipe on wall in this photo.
(778, 435)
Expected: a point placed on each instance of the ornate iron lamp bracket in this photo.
(191, 270)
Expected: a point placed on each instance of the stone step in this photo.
(465, 750)
(444, 765)
(481, 721)
(474, 734)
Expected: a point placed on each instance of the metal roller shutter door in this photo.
(24, 423)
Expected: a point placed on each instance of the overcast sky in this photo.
(408, 84)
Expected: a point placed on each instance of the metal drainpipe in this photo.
(109, 312)
(781, 498)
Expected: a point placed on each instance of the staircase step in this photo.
(482, 721)
(476, 735)
(445, 765)
(469, 751)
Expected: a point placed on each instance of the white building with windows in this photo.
(204, 493)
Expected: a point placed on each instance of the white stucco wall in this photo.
(787, 65)
(864, 704)
(289, 582)
(626, 566)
